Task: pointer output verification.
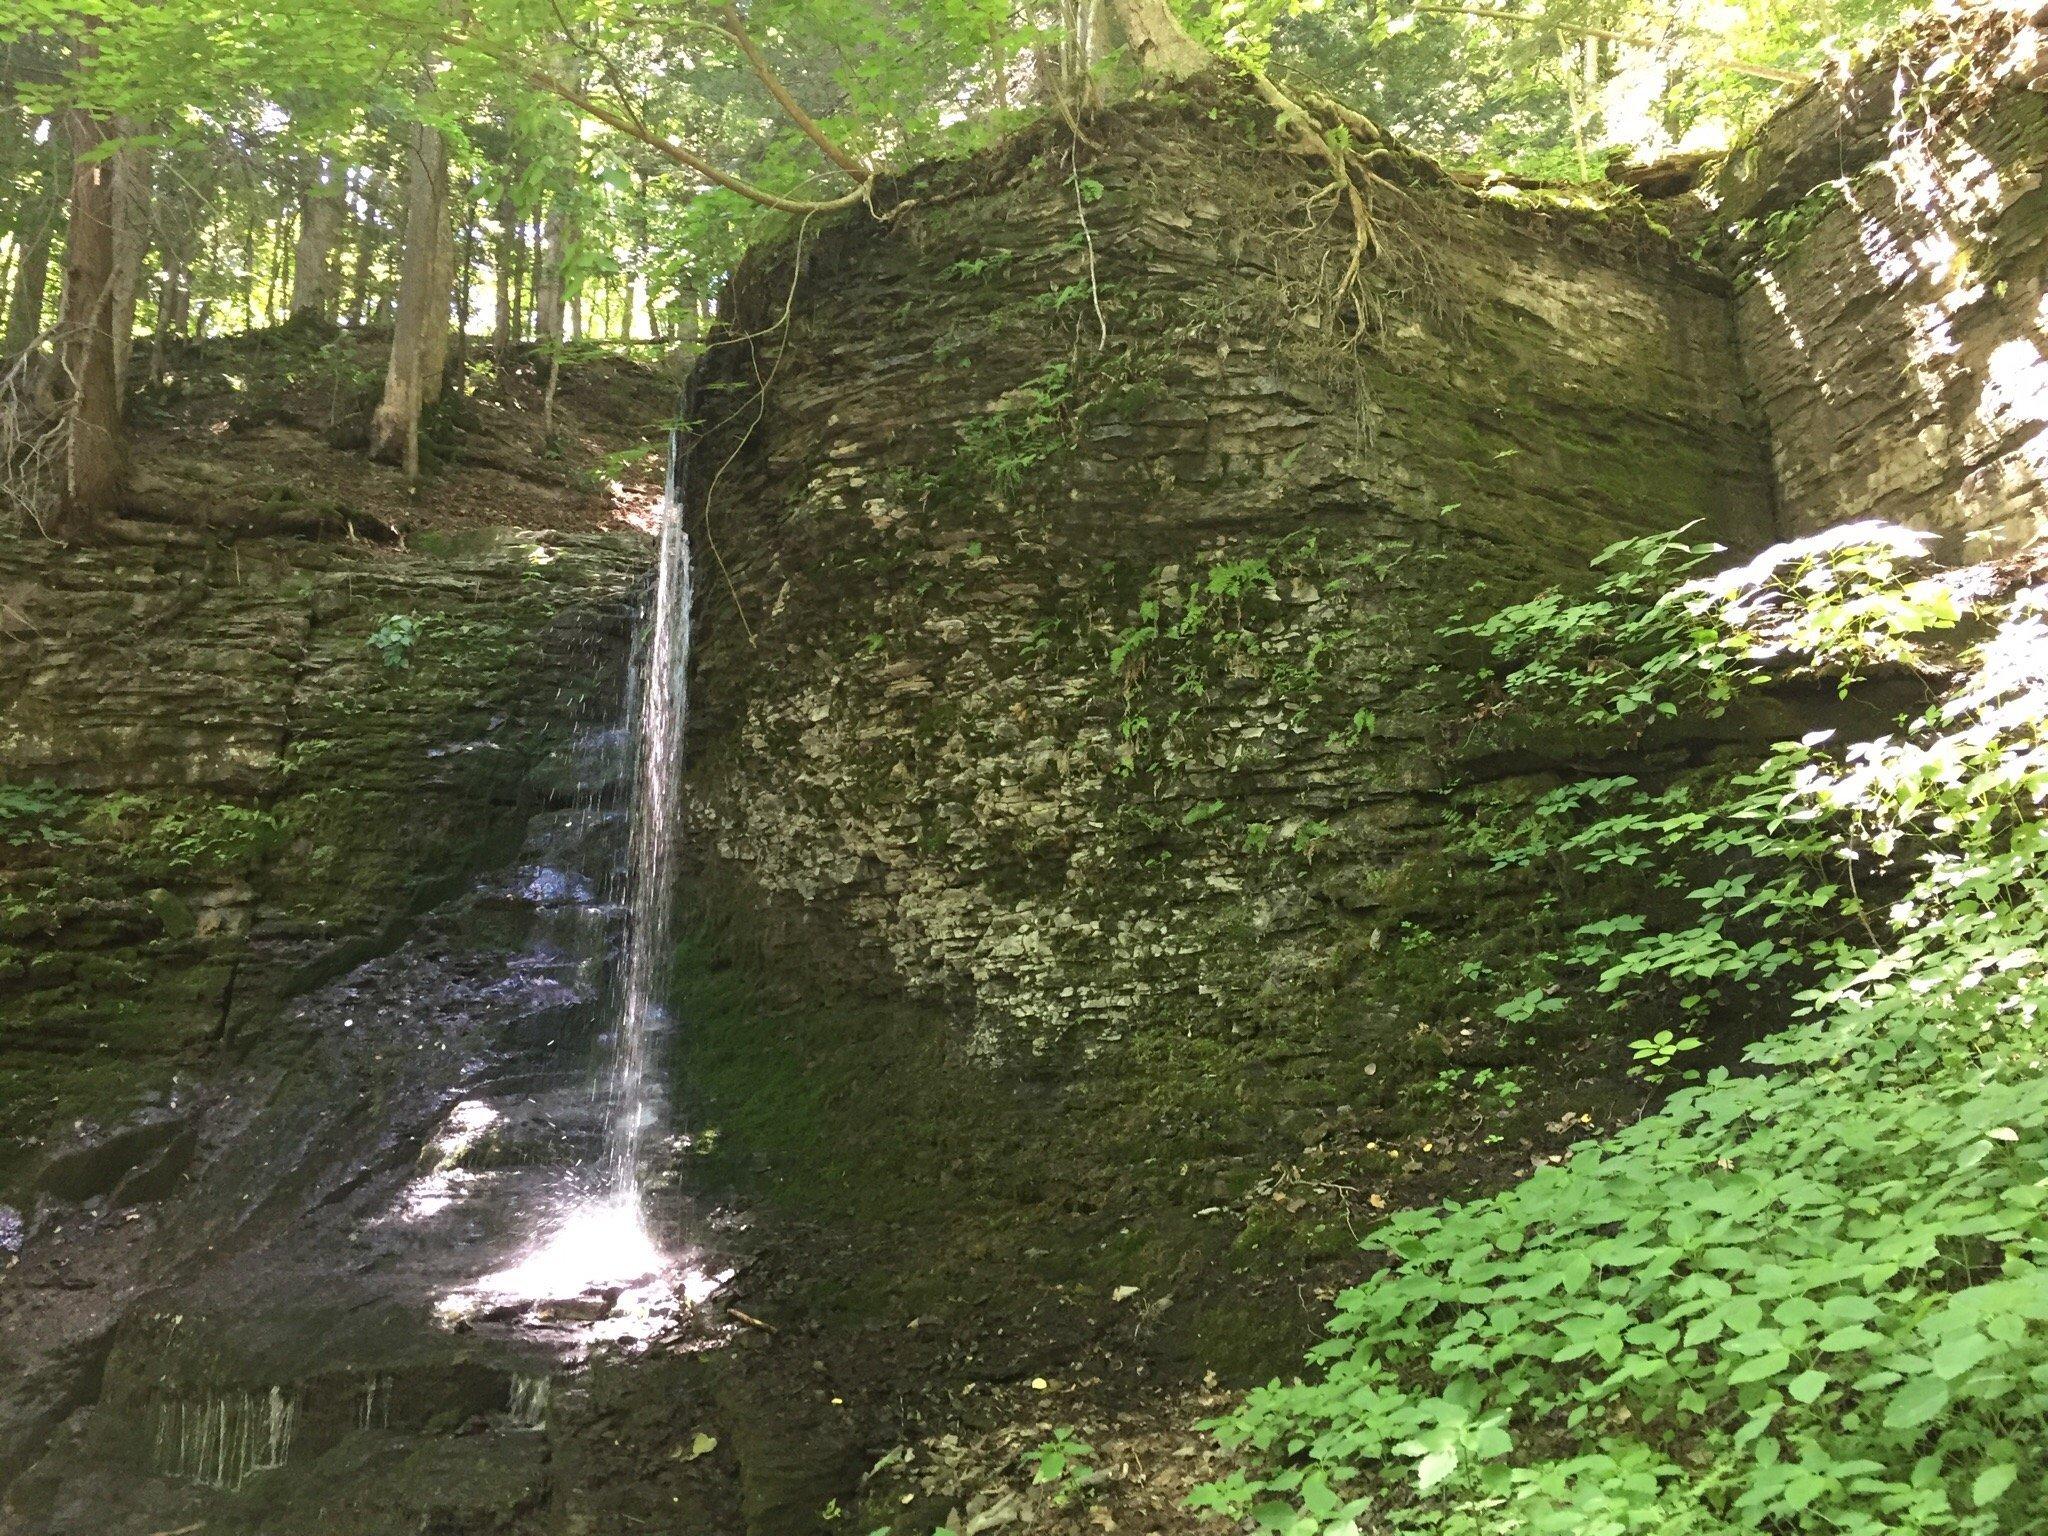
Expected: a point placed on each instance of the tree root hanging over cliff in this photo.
(1354, 152)
(1349, 146)
(1316, 139)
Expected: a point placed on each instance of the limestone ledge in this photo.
(924, 726)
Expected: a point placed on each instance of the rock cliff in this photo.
(237, 771)
(1071, 655)
(1892, 310)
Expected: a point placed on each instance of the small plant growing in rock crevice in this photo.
(392, 641)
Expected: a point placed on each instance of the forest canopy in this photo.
(581, 172)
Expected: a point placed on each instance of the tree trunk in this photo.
(435, 339)
(551, 289)
(95, 461)
(173, 304)
(31, 278)
(422, 311)
(999, 57)
(313, 275)
(362, 294)
(501, 272)
(278, 287)
(131, 244)
(466, 246)
(1160, 46)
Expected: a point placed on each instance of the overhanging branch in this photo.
(729, 21)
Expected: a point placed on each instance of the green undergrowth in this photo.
(1809, 1293)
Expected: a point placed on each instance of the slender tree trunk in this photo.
(501, 272)
(252, 290)
(171, 303)
(362, 296)
(435, 340)
(313, 272)
(551, 289)
(536, 275)
(278, 287)
(467, 246)
(131, 244)
(422, 311)
(95, 466)
(31, 279)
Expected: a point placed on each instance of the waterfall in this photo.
(528, 1404)
(221, 1438)
(660, 716)
(599, 1241)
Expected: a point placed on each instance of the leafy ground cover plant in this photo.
(1809, 1294)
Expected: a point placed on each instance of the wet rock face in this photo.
(228, 773)
(136, 1157)
(1892, 296)
(1069, 647)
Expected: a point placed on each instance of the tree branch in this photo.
(729, 21)
(622, 120)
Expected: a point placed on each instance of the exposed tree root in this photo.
(1325, 130)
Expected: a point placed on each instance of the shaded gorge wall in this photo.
(1070, 669)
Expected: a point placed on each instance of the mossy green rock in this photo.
(214, 791)
(1070, 677)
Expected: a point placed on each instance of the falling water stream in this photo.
(559, 1226)
(602, 1241)
(640, 1009)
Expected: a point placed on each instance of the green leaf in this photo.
(1920, 1399)
(1769, 1363)
(1807, 1386)
(1434, 1468)
(1955, 1355)
(1989, 1485)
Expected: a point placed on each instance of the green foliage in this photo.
(1812, 1296)
(1655, 1054)
(978, 266)
(1558, 89)
(36, 812)
(392, 641)
(1061, 1463)
(1782, 232)
(1033, 422)
(1764, 894)
(210, 838)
